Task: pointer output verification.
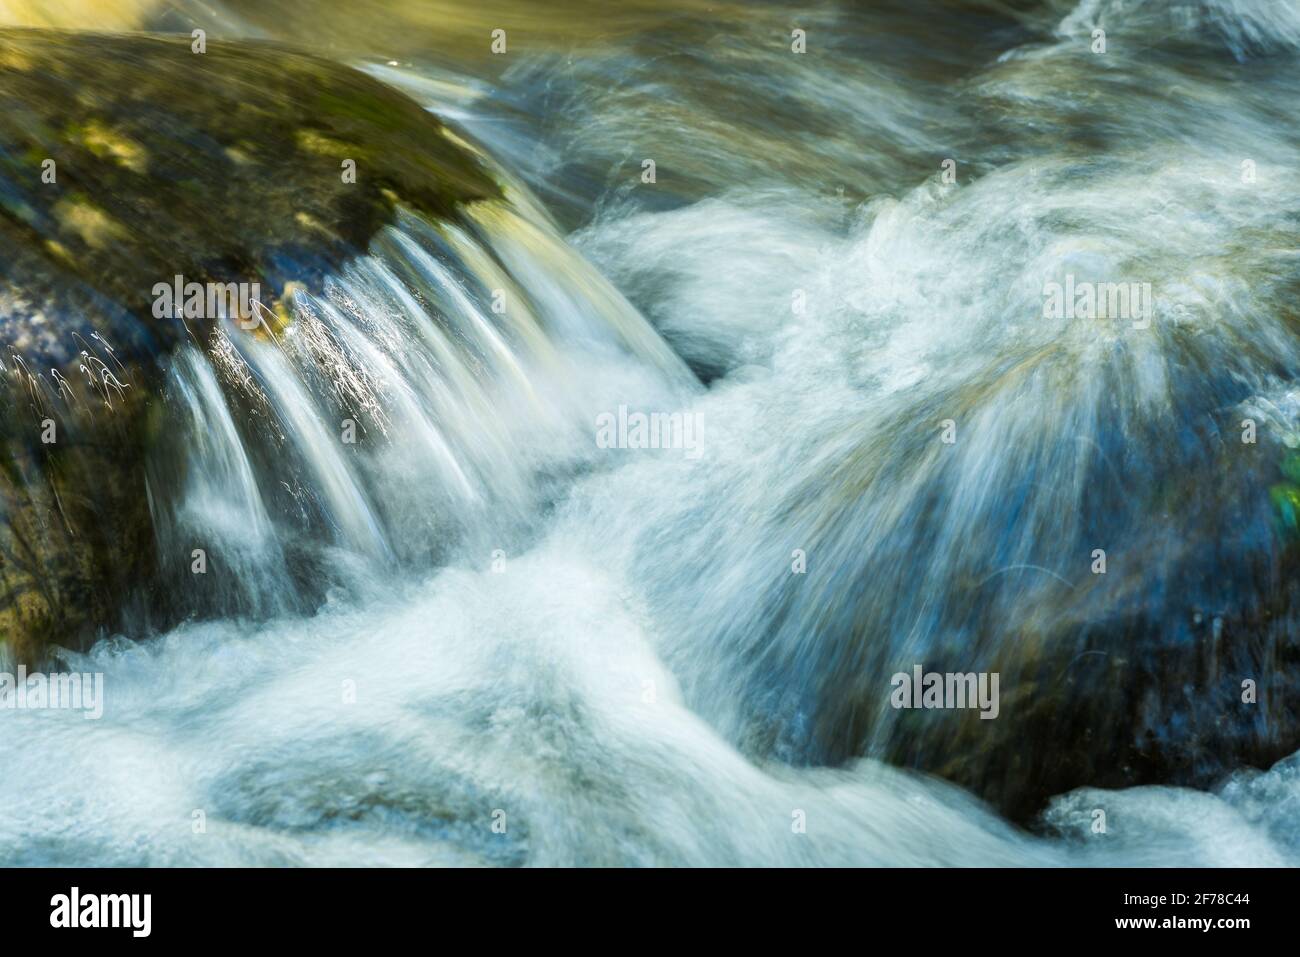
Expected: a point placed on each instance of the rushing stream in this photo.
(477, 636)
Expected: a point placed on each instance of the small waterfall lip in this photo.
(402, 410)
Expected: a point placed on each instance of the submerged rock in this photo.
(125, 162)
(1135, 589)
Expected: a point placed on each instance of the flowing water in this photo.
(605, 649)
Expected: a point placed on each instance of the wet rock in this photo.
(125, 162)
(1173, 659)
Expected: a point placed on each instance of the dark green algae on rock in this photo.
(126, 161)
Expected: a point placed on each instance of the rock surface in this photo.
(124, 162)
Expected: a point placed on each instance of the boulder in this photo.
(126, 161)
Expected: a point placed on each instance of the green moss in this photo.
(221, 167)
(202, 164)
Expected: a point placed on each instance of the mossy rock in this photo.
(222, 167)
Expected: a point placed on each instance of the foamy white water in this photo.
(525, 692)
(532, 650)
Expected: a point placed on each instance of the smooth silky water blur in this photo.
(519, 621)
